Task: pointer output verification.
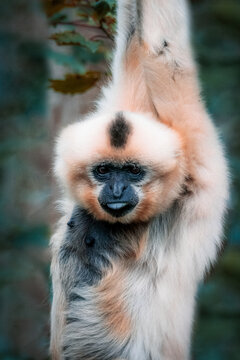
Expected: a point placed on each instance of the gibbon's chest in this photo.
(96, 247)
(133, 298)
(148, 301)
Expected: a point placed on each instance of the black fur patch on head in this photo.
(119, 131)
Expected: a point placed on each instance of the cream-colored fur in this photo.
(153, 73)
(150, 143)
(87, 142)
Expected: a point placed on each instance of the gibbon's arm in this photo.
(58, 301)
(152, 45)
(154, 71)
(128, 89)
(171, 77)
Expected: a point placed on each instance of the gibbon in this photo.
(145, 187)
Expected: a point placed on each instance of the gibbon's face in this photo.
(122, 167)
(121, 183)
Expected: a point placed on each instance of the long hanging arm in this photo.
(153, 61)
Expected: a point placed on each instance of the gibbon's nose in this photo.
(117, 187)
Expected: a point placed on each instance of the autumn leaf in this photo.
(74, 84)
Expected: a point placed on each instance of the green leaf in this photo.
(85, 12)
(57, 18)
(74, 84)
(67, 60)
(73, 38)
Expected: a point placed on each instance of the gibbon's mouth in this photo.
(117, 205)
(118, 209)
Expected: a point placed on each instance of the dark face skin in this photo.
(118, 196)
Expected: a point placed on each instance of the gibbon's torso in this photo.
(123, 284)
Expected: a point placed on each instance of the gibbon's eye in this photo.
(102, 169)
(134, 169)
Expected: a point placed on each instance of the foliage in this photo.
(73, 38)
(90, 27)
(75, 83)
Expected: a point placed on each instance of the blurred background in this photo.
(53, 59)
